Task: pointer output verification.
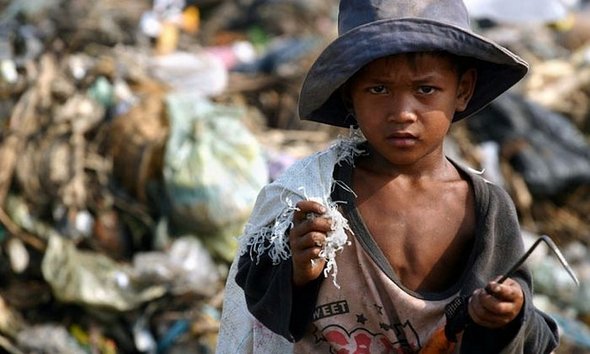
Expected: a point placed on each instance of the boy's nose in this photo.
(402, 110)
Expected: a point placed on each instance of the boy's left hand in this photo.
(499, 306)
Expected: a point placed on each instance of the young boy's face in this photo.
(404, 104)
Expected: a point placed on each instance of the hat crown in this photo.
(355, 13)
(372, 29)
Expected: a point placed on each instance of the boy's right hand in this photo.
(307, 237)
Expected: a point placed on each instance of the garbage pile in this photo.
(135, 136)
(534, 141)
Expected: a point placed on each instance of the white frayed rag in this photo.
(266, 232)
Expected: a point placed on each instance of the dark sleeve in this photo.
(271, 297)
(532, 331)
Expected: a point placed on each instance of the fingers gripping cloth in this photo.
(335, 239)
(311, 178)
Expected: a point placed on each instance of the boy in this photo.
(402, 229)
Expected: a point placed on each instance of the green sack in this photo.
(213, 170)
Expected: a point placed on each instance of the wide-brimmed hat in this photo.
(371, 29)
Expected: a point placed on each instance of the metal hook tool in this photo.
(456, 311)
(553, 248)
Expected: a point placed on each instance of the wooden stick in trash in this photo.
(553, 248)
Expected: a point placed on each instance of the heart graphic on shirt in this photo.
(361, 341)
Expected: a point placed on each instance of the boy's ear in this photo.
(345, 96)
(466, 88)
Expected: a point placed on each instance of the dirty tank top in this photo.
(369, 310)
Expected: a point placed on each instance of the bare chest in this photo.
(426, 236)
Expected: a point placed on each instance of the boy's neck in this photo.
(434, 166)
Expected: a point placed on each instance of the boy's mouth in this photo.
(402, 139)
(402, 135)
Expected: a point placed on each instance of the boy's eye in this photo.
(426, 90)
(379, 89)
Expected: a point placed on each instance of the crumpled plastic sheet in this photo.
(93, 279)
(186, 267)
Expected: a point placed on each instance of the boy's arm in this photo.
(531, 331)
(282, 295)
(271, 297)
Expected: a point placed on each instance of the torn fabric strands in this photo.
(311, 179)
(335, 239)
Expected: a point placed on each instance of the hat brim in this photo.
(320, 101)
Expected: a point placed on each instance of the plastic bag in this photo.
(185, 267)
(93, 279)
(213, 171)
(199, 73)
(545, 147)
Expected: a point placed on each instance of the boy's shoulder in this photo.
(485, 190)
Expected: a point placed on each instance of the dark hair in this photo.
(462, 64)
